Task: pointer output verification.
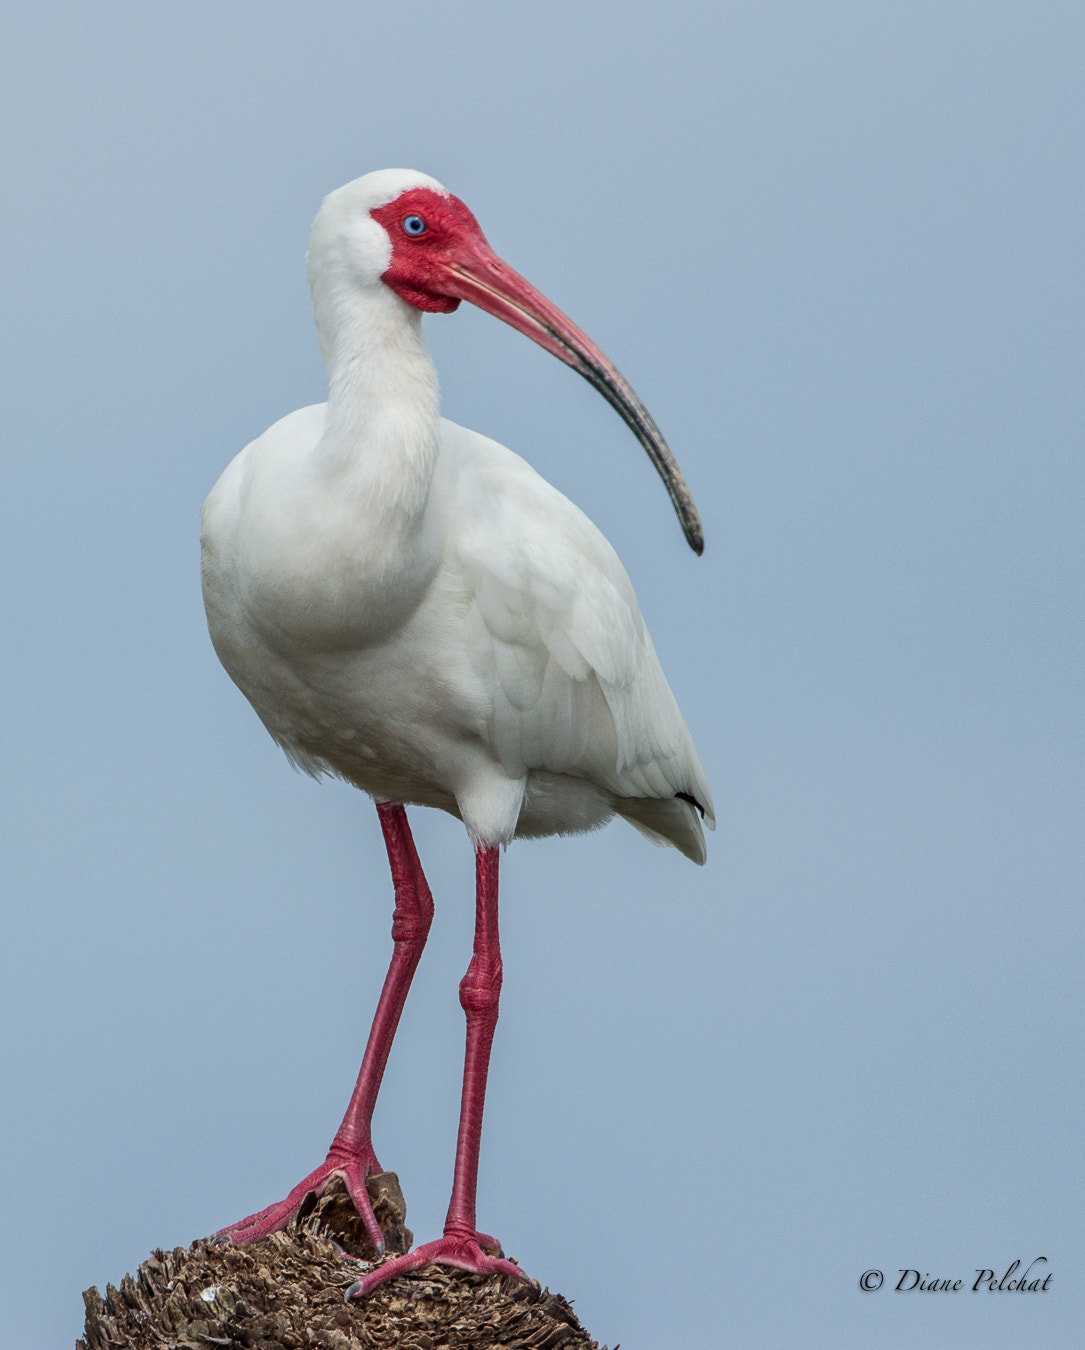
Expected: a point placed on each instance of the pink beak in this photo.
(475, 273)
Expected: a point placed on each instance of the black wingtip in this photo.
(685, 797)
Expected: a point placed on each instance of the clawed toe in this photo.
(275, 1217)
(478, 1253)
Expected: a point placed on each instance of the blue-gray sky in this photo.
(837, 250)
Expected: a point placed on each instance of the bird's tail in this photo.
(672, 821)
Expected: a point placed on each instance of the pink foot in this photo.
(476, 1252)
(353, 1170)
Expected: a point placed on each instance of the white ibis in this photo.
(409, 606)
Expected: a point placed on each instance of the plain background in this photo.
(836, 248)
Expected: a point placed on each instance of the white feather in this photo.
(410, 606)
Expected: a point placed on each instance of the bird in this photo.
(410, 607)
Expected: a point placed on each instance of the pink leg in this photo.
(351, 1155)
(463, 1245)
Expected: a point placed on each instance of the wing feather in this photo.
(554, 624)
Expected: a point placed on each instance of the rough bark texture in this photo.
(286, 1293)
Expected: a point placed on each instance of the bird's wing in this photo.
(554, 626)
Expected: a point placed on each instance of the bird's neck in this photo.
(381, 431)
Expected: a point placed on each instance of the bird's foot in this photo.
(475, 1252)
(353, 1169)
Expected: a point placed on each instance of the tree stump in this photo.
(286, 1293)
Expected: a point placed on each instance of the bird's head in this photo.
(403, 230)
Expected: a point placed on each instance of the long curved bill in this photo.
(479, 276)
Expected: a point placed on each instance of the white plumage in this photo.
(409, 606)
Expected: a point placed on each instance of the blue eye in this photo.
(414, 225)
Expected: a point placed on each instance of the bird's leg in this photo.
(351, 1155)
(462, 1244)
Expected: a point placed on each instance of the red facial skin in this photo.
(451, 261)
(420, 263)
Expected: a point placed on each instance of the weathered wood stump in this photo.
(286, 1293)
